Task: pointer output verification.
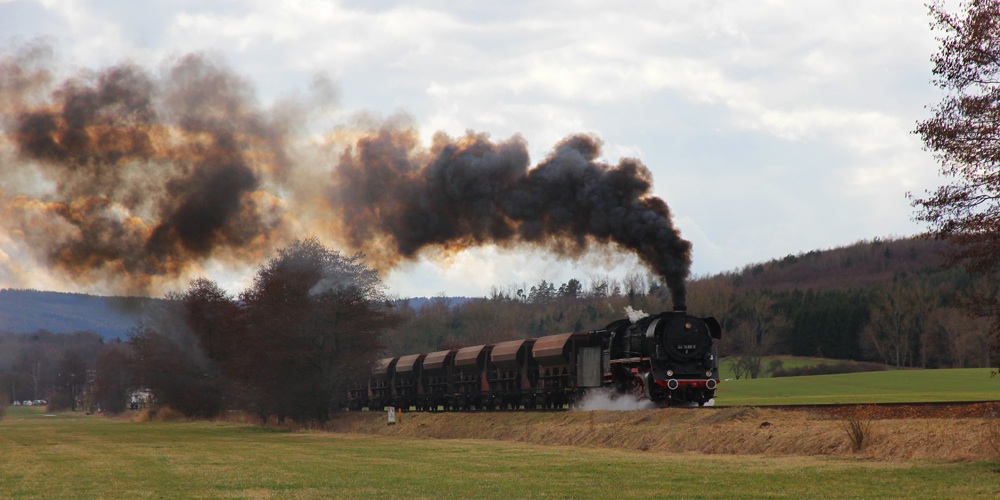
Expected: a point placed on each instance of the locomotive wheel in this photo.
(635, 389)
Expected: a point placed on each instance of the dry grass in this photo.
(725, 431)
(158, 414)
(238, 417)
(992, 437)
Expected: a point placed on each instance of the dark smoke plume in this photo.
(397, 199)
(133, 180)
(150, 175)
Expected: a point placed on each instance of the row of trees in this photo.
(599, 286)
(287, 346)
(903, 324)
(914, 320)
(47, 366)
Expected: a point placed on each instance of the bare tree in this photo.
(114, 378)
(898, 314)
(756, 323)
(711, 297)
(635, 284)
(937, 341)
(71, 376)
(169, 362)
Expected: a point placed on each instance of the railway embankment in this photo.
(889, 433)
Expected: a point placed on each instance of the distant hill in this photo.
(860, 265)
(27, 311)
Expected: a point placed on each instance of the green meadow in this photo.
(787, 362)
(892, 386)
(76, 456)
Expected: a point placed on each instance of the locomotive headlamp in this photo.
(687, 326)
(708, 373)
(670, 373)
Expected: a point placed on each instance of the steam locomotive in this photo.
(667, 358)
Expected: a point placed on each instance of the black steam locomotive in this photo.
(667, 358)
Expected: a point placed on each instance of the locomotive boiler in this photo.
(667, 358)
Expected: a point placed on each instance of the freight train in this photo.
(667, 358)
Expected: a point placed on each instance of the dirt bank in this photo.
(737, 430)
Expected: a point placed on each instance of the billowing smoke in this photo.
(134, 179)
(396, 196)
(149, 175)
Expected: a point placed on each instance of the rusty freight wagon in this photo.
(666, 358)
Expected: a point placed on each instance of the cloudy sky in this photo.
(771, 128)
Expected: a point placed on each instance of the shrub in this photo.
(168, 414)
(60, 401)
(143, 415)
(158, 414)
(858, 427)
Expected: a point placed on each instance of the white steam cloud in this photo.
(607, 399)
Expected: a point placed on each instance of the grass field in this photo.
(87, 456)
(973, 384)
(787, 362)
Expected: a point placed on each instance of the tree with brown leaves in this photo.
(964, 135)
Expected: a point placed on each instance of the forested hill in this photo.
(28, 311)
(861, 265)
